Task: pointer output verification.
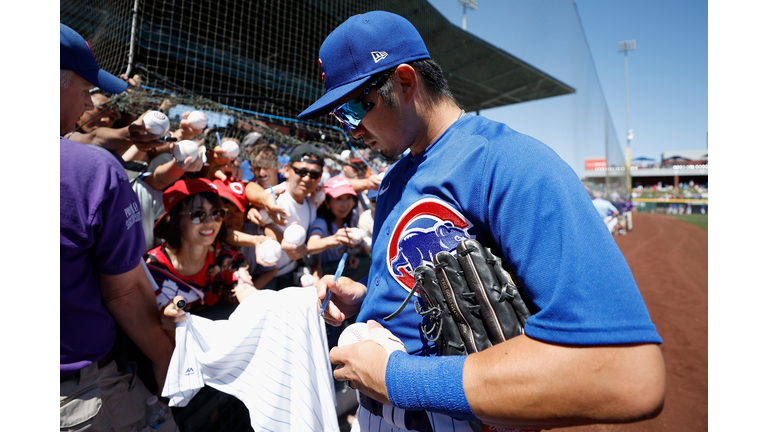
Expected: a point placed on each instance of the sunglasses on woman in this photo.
(350, 114)
(199, 216)
(301, 172)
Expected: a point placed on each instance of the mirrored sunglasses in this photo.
(350, 114)
(199, 216)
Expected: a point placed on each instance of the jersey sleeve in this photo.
(542, 218)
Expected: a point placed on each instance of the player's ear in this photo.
(406, 81)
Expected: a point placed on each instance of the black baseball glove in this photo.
(472, 302)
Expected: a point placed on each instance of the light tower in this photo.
(473, 5)
(626, 47)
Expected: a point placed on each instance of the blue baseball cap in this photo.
(75, 54)
(360, 47)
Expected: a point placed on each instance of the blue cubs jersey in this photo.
(483, 180)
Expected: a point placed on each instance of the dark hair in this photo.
(324, 211)
(436, 84)
(259, 148)
(168, 228)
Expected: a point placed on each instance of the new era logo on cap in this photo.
(378, 56)
(387, 38)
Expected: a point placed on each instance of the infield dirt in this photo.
(668, 259)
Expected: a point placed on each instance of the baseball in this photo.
(197, 119)
(266, 220)
(356, 235)
(307, 280)
(231, 149)
(269, 251)
(295, 234)
(185, 148)
(158, 123)
(356, 332)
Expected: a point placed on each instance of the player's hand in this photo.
(364, 366)
(172, 314)
(347, 297)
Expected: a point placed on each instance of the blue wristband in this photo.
(428, 383)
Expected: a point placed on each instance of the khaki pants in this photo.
(106, 400)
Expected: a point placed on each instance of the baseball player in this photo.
(589, 352)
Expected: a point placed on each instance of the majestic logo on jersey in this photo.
(426, 228)
(378, 56)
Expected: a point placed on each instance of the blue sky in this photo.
(668, 88)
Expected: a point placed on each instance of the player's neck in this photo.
(437, 119)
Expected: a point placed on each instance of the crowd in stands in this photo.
(690, 190)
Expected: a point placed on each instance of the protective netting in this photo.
(549, 35)
(253, 65)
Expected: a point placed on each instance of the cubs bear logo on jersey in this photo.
(427, 227)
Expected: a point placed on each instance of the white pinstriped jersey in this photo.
(272, 354)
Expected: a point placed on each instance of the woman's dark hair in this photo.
(436, 84)
(168, 228)
(324, 211)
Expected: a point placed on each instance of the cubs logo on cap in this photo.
(427, 227)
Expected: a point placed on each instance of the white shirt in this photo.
(272, 354)
(303, 213)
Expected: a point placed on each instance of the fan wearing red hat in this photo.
(328, 235)
(193, 233)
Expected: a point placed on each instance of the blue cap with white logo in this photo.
(75, 54)
(359, 48)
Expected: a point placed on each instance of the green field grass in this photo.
(698, 220)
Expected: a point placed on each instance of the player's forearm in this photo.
(525, 383)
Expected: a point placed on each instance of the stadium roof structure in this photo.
(480, 75)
